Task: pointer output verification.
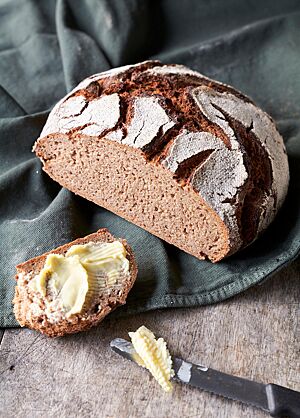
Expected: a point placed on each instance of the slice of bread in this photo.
(29, 305)
(189, 159)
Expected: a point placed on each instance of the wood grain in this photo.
(254, 335)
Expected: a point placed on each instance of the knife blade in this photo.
(277, 400)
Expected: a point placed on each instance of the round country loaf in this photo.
(187, 158)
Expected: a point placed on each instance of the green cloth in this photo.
(47, 47)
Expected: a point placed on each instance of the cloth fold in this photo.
(48, 47)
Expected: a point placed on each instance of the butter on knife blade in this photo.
(153, 355)
(279, 401)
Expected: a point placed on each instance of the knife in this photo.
(277, 400)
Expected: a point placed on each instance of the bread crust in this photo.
(76, 323)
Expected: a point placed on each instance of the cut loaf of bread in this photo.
(30, 306)
(187, 158)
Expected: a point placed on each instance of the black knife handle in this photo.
(283, 402)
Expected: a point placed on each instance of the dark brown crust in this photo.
(77, 323)
(174, 92)
(259, 182)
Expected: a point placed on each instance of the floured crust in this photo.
(216, 143)
(79, 322)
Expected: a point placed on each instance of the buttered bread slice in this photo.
(74, 286)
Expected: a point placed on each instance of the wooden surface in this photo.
(255, 335)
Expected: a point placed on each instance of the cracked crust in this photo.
(210, 139)
(28, 315)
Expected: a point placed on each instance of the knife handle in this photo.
(283, 402)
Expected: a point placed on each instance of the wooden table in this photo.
(255, 335)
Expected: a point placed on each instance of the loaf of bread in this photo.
(187, 158)
(73, 287)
